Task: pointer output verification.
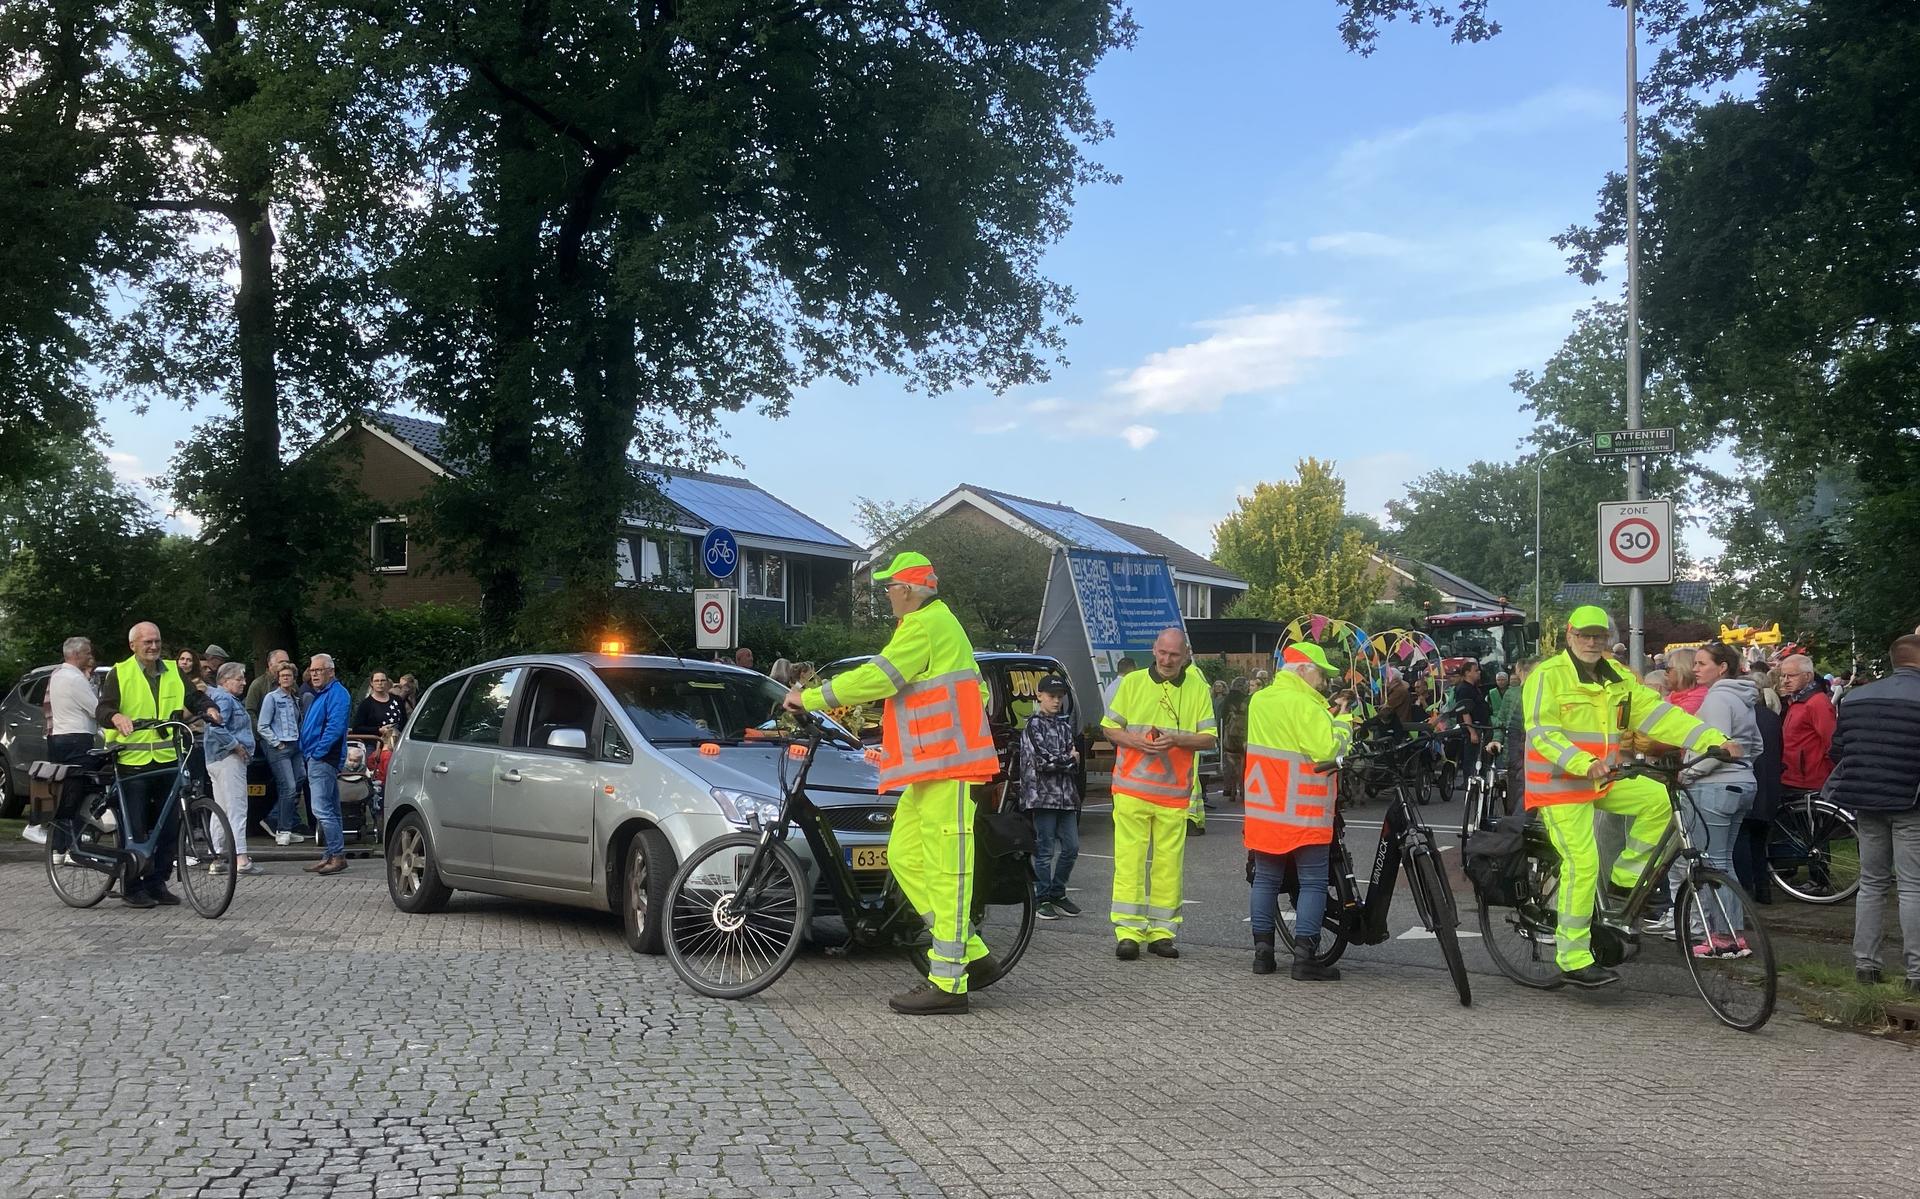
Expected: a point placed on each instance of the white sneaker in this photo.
(1663, 926)
(36, 833)
(283, 838)
(106, 820)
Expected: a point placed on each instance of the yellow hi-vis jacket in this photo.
(935, 722)
(1143, 701)
(1572, 724)
(137, 703)
(1289, 728)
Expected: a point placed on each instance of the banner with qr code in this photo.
(1125, 600)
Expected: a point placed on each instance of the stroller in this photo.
(363, 778)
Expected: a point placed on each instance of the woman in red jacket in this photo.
(1809, 727)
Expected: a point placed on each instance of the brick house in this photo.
(791, 565)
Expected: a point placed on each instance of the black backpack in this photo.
(1496, 860)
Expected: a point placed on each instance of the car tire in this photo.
(644, 884)
(413, 873)
(13, 802)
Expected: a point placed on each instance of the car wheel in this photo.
(413, 877)
(13, 802)
(643, 889)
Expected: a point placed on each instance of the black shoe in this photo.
(1592, 975)
(139, 899)
(986, 967)
(162, 896)
(1867, 978)
(1196, 830)
(927, 1000)
(1162, 949)
(1127, 951)
(1305, 969)
(1263, 962)
(1066, 907)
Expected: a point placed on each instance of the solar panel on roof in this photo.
(1071, 527)
(747, 510)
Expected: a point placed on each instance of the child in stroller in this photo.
(363, 779)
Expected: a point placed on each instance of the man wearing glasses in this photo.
(1807, 730)
(1579, 708)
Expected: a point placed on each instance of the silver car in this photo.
(23, 737)
(585, 779)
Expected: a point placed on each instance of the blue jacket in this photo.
(233, 730)
(323, 734)
(280, 716)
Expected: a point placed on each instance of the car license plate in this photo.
(867, 857)
(256, 788)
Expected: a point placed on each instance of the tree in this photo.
(1477, 523)
(721, 203)
(1289, 542)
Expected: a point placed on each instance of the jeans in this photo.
(1056, 844)
(1750, 858)
(1889, 855)
(228, 774)
(147, 792)
(1714, 812)
(285, 764)
(323, 796)
(1270, 879)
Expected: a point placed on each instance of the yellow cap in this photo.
(1589, 616)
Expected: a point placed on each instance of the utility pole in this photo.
(1636, 597)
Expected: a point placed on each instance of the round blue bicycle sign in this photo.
(720, 552)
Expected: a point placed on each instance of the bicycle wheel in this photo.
(207, 874)
(1007, 928)
(1442, 918)
(78, 884)
(1333, 926)
(730, 936)
(1520, 939)
(1726, 949)
(1813, 852)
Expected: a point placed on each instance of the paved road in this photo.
(316, 1042)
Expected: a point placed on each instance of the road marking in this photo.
(1420, 934)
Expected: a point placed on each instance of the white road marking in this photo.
(1420, 934)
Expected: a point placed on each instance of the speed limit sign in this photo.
(1636, 543)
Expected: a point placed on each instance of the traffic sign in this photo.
(1625, 442)
(1636, 543)
(720, 552)
(714, 617)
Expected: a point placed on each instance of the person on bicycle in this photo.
(1289, 807)
(1579, 708)
(147, 685)
(935, 743)
(1158, 720)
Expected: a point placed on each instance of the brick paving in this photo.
(316, 1042)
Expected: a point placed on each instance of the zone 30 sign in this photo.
(1636, 543)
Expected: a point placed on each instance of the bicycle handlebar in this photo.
(1639, 769)
(1413, 742)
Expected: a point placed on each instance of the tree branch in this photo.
(202, 204)
(545, 115)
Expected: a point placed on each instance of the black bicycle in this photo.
(740, 906)
(1486, 792)
(1716, 925)
(1406, 842)
(86, 855)
(1813, 849)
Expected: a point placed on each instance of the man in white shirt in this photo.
(70, 705)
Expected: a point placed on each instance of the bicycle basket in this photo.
(1496, 860)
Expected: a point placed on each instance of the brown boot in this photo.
(317, 867)
(927, 1000)
(332, 866)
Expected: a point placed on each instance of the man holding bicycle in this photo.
(146, 685)
(1579, 707)
(935, 743)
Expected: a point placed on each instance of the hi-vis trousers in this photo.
(1147, 908)
(930, 853)
(1570, 827)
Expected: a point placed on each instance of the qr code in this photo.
(1095, 585)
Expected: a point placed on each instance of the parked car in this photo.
(23, 737)
(585, 779)
(1013, 682)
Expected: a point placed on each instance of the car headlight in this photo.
(746, 809)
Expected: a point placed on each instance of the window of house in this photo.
(1196, 600)
(662, 559)
(623, 574)
(763, 575)
(390, 545)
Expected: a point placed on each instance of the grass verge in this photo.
(1830, 993)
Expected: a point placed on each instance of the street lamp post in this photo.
(1539, 463)
(1636, 598)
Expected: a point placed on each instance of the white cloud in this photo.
(1139, 437)
(1362, 245)
(1248, 354)
(1367, 159)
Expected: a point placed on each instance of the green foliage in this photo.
(1360, 20)
(1292, 543)
(427, 640)
(993, 578)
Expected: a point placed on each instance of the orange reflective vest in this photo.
(1289, 728)
(935, 722)
(1571, 724)
(1143, 701)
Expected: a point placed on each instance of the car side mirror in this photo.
(574, 739)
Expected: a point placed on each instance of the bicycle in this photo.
(1405, 842)
(85, 862)
(740, 905)
(1486, 793)
(1817, 836)
(1717, 927)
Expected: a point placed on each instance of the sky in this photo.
(1309, 253)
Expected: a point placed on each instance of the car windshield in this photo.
(693, 705)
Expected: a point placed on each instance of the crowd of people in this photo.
(306, 725)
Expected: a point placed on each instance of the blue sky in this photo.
(1310, 253)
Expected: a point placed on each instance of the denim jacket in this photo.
(280, 717)
(233, 729)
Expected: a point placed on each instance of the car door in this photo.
(26, 733)
(543, 795)
(461, 770)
